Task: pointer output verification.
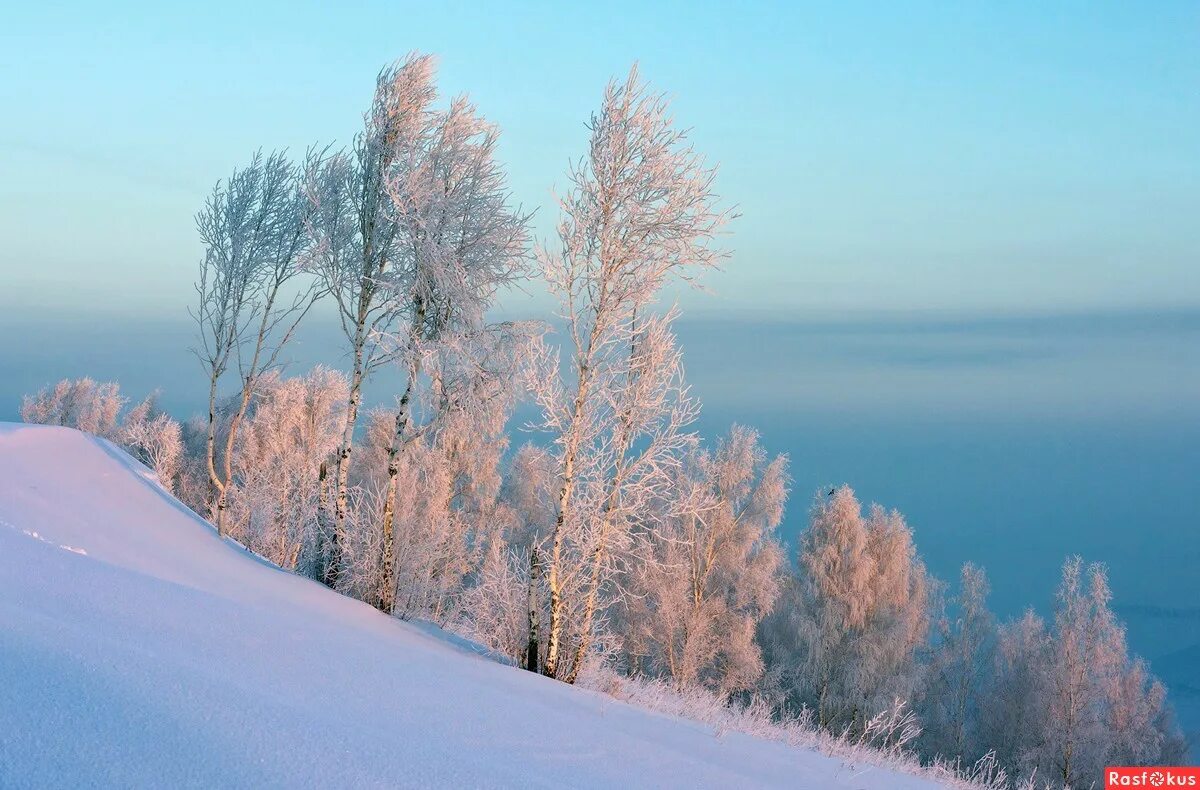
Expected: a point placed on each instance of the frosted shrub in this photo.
(291, 428)
(713, 570)
(884, 741)
(847, 644)
(79, 403)
(155, 439)
(145, 432)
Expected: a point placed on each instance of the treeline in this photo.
(620, 539)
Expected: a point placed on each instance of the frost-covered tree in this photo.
(459, 412)
(900, 626)
(862, 612)
(76, 403)
(1140, 722)
(1013, 716)
(358, 242)
(292, 425)
(145, 432)
(507, 604)
(466, 240)
(1081, 658)
(627, 471)
(1071, 700)
(714, 574)
(452, 523)
(494, 610)
(446, 499)
(192, 484)
(640, 211)
(959, 673)
(1099, 703)
(360, 573)
(529, 490)
(253, 230)
(415, 235)
(155, 439)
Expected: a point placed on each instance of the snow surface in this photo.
(138, 649)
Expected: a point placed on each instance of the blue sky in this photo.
(967, 156)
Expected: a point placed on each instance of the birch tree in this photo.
(154, 438)
(292, 426)
(1070, 700)
(1101, 706)
(506, 606)
(144, 431)
(415, 235)
(495, 609)
(835, 601)
(1078, 661)
(959, 672)
(448, 479)
(862, 611)
(899, 627)
(249, 305)
(357, 244)
(715, 571)
(640, 211)
(467, 242)
(1013, 717)
(83, 404)
(451, 474)
(1140, 721)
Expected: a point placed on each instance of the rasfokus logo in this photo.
(1151, 776)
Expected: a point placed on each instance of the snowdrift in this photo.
(137, 649)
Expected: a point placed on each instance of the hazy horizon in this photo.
(1081, 413)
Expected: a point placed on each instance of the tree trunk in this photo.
(597, 558)
(342, 467)
(318, 568)
(388, 593)
(249, 382)
(589, 613)
(531, 651)
(218, 488)
(565, 491)
(556, 602)
(598, 555)
(235, 422)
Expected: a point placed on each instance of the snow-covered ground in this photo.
(137, 649)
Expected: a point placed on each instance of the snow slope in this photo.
(137, 649)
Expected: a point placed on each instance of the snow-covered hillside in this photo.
(137, 649)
